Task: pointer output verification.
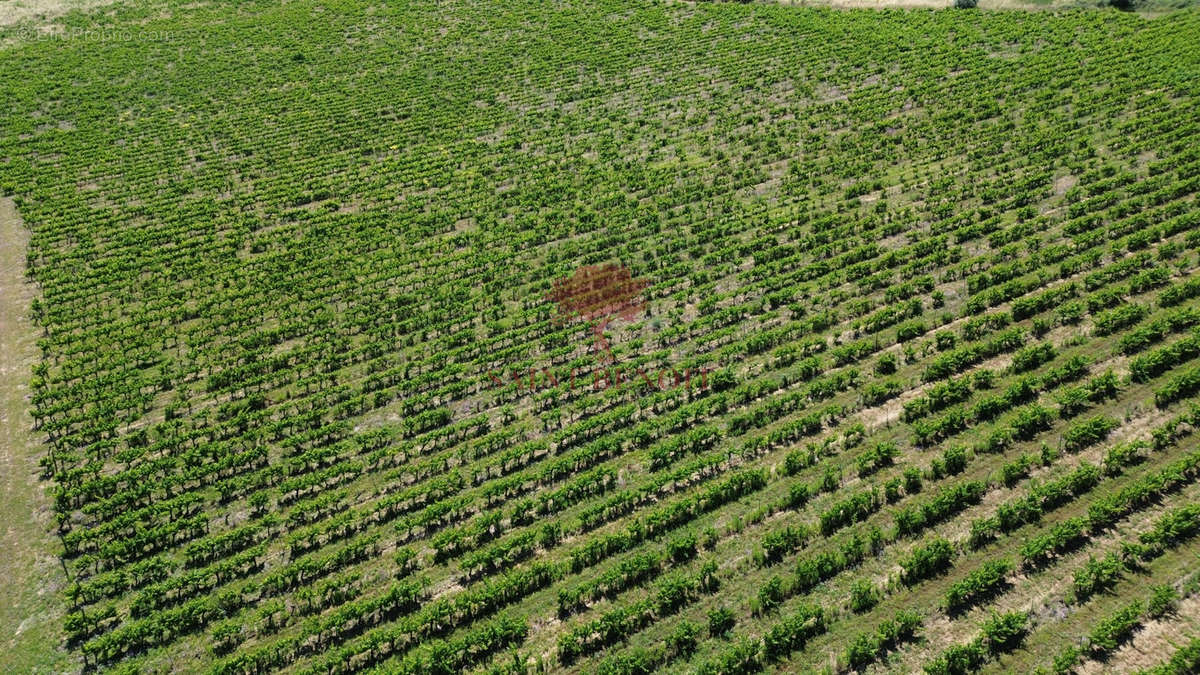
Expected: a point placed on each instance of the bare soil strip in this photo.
(31, 578)
(37, 11)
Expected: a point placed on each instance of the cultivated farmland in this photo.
(910, 381)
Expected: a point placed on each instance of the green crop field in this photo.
(299, 374)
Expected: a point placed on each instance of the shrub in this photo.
(1021, 391)
(983, 379)
(1178, 387)
(912, 480)
(672, 593)
(954, 460)
(1048, 455)
(1069, 371)
(742, 657)
(863, 596)
(1030, 420)
(226, 636)
(797, 495)
(1174, 527)
(997, 441)
(949, 501)
(682, 641)
(831, 479)
(635, 660)
(1004, 632)
(707, 578)
(848, 511)
(797, 460)
(1012, 472)
(1062, 537)
(1104, 386)
(1089, 432)
(1114, 320)
(861, 651)
(1065, 661)
(772, 593)
(958, 659)
(1072, 401)
(1097, 575)
(926, 561)
(892, 490)
(979, 585)
(883, 390)
(867, 647)
(983, 531)
(720, 621)
(1029, 358)
(878, 457)
(1071, 313)
(814, 570)
(853, 551)
(779, 543)
(907, 625)
(1116, 628)
(793, 632)
(1163, 599)
(682, 549)
(910, 330)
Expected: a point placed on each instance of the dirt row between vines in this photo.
(32, 611)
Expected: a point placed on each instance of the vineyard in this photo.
(911, 381)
